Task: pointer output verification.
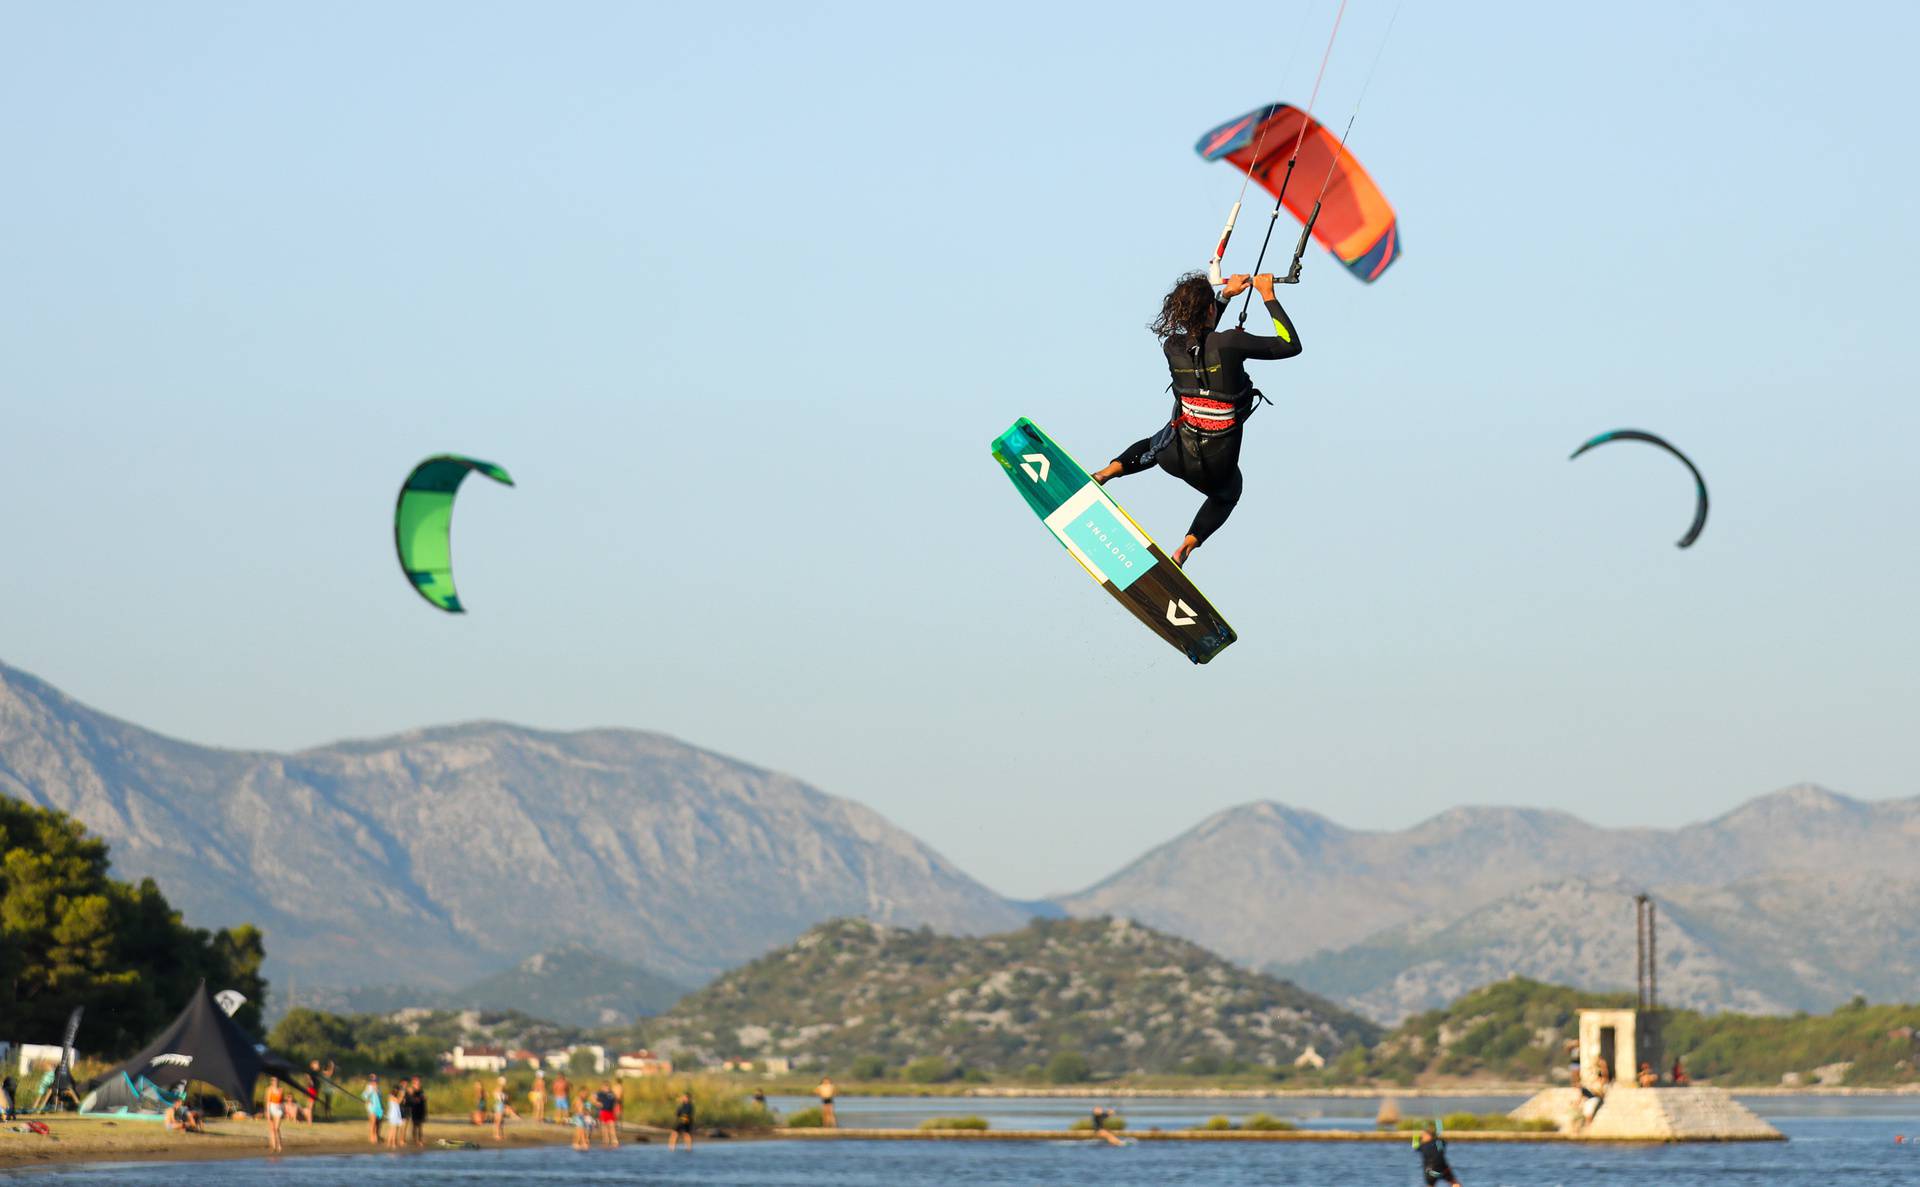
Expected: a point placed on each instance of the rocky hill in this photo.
(443, 855)
(1517, 1030)
(1124, 996)
(1302, 886)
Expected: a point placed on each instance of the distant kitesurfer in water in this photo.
(1434, 1168)
(1212, 396)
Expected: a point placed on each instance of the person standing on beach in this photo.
(604, 1101)
(582, 1124)
(619, 1102)
(825, 1093)
(682, 1123)
(371, 1096)
(1434, 1167)
(396, 1116)
(480, 1100)
(329, 1074)
(501, 1110)
(313, 1089)
(561, 1101)
(414, 1107)
(276, 1112)
(537, 1097)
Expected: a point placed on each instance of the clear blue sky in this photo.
(741, 294)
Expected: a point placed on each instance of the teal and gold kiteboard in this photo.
(1108, 544)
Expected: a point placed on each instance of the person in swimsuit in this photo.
(562, 1103)
(276, 1112)
(537, 1097)
(682, 1123)
(396, 1117)
(370, 1096)
(1101, 1114)
(582, 1124)
(181, 1117)
(1212, 396)
(825, 1093)
(501, 1110)
(609, 1127)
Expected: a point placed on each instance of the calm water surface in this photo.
(1833, 1142)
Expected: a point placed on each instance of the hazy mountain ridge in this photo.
(1126, 997)
(1302, 885)
(1796, 941)
(441, 855)
(572, 985)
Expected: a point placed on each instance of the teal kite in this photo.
(1699, 483)
(423, 524)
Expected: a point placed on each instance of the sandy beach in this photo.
(101, 1139)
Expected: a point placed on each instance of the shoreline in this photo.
(1389, 1136)
(1082, 1092)
(110, 1139)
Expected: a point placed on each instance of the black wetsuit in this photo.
(1212, 398)
(683, 1118)
(1433, 1161)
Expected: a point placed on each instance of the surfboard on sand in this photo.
(1109, 545)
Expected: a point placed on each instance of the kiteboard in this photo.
(1109, 545)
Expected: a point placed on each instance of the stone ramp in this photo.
(1634, 1114)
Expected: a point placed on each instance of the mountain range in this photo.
(440, 857)
(1795, 900)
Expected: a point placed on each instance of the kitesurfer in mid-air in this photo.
(1212, 396)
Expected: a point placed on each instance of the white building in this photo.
(477, 1059)
(561, 1058)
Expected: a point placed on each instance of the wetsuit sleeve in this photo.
(1284, 344)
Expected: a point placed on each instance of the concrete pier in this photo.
(1633, 1114)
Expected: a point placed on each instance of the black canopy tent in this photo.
(203, 1044)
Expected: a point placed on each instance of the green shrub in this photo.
(1480, 1123)
(806, 1119)
(928, 1069)
(1216, 1124)
(1267, 1122)
(1068, 1067)
(869, 1067)
(968, 1122)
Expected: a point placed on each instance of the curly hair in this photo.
(1188, 311)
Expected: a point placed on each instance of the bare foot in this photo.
(1185, 550)
(1105, 472)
